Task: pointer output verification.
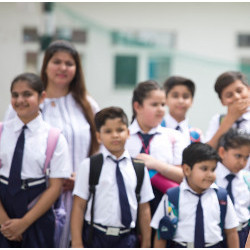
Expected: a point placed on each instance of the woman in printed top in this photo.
(22, 179)
(68, 107)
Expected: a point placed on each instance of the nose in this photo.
(63, 66)
(237, 96)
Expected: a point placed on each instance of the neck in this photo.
(55, 92)
(178, 118)
(145, 129)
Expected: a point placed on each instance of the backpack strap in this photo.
(222, 197)
(139, 171)
(53, 137)
(173, 197)
(96, 162)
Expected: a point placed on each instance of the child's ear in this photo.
(98, 137)
(186, 169)
(43, 95)
(136, 106)
(221, 152)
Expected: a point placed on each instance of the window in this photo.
(125, 71)
(30, 35)
(244, 40)
(31, 62)
(245, 67)
(159, 68)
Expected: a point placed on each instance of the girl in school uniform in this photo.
(160, 148)
(22, 181)
(68, 107)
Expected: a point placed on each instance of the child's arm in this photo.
(13, 228)
(144, 222)
(77, 220)
(235, 111)
(159, 243)
(232, 238)
(3, 215)
(172, 172)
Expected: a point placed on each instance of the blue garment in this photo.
(41, 232)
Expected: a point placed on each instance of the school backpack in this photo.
(96, 162)
(58, 207)
(168, 224)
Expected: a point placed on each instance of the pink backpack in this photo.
(58, 208)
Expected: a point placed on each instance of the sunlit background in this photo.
(122, 44)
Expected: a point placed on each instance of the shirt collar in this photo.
(224, 171)
(134, 128)
(246, 116)
(106, 154)
(32, 125)
(186, 187)
(172, 123)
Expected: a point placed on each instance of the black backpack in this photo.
(96, 162)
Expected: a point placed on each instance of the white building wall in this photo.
(206, 44)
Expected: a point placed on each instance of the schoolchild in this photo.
(22, 180)
(198, 215)
(234, 150)
(234, 93)
(112, 228)
(179, 98)
(160, 148)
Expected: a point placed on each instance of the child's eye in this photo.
(108, 131)
(69, 64)
(56, 61)
(203, 168)
(27, 94)
(120, 130)
(186, 96)
(14, 95)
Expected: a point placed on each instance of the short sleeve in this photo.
(146, 189)
(81, 187)
(178, 147)
(231, 219)
(212, 127)
(159, 213)
(60, 165)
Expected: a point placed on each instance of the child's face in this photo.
(61, 69)
(234, 92)
(234, 159)
(113, 134)
(152, 110)
(179, 100)
(25, 101)
(201, 176)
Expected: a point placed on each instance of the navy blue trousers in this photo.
(172, 244)
(41, 232)
(101, 240)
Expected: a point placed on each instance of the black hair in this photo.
(109, 113)
(176, 81)
(198, 152)
(142, 91)
(33, 80)
(234, 138)
(228, 78)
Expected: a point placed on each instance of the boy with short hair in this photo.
(179, 98)
(199, 210)
(234, 150)
(234, 93)
(114, 193)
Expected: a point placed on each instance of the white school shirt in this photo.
(240, 191)
(167, 145)
(107, 207)
(214, 125)
(64, 113)
(36, 135)
(184, 128)
(187, 214)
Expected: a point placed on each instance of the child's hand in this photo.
(68, 184)
(238, 108)
(13, 229)
(148, 160)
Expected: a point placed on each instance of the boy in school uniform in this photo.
(179, 98)
(112, 132)
(234, 150)
(234, 93)
(199, 209)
